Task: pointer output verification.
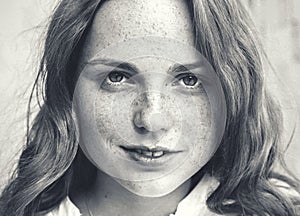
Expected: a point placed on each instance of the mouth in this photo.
(145, 155)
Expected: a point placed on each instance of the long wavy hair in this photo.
(49, 166)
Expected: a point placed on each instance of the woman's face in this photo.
(150, 109)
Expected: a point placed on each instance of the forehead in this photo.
(119, 20)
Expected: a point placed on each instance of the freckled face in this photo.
(149, 107)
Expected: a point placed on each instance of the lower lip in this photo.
(149, 161)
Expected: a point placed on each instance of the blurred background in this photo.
(23, 23)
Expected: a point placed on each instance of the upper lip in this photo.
(154, 149)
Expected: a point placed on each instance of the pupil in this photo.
(115, 77)
(190, 80)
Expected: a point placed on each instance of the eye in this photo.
(188, 80)
(117, 80)
(116, 77)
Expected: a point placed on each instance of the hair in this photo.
(244, 162)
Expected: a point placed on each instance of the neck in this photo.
(108, 197)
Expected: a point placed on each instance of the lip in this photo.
(146, 156)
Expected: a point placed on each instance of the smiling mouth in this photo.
(147, 153)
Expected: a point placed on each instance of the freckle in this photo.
(105, 196)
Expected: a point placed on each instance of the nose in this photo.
(151, 113)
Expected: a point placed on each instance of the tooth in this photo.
(157, 153)
(147, 153)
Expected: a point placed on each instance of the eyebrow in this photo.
(114, 63)
(176, 68)
(185, 67)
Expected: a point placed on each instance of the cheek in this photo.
(95, 118)
(196, 121)
(113, 115)
(197, 134)
(197, 114)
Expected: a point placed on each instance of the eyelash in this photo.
(179, 79)
(107, 80)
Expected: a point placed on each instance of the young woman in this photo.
(151, 108)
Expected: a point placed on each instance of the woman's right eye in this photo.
(115, 79)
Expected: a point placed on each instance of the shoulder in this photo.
(66, 208)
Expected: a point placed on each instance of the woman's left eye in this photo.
(116, 77)
(188, 80)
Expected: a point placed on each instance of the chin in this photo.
(151, 189)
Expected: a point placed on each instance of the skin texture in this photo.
(150, 107)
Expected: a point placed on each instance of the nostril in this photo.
(141, 130)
